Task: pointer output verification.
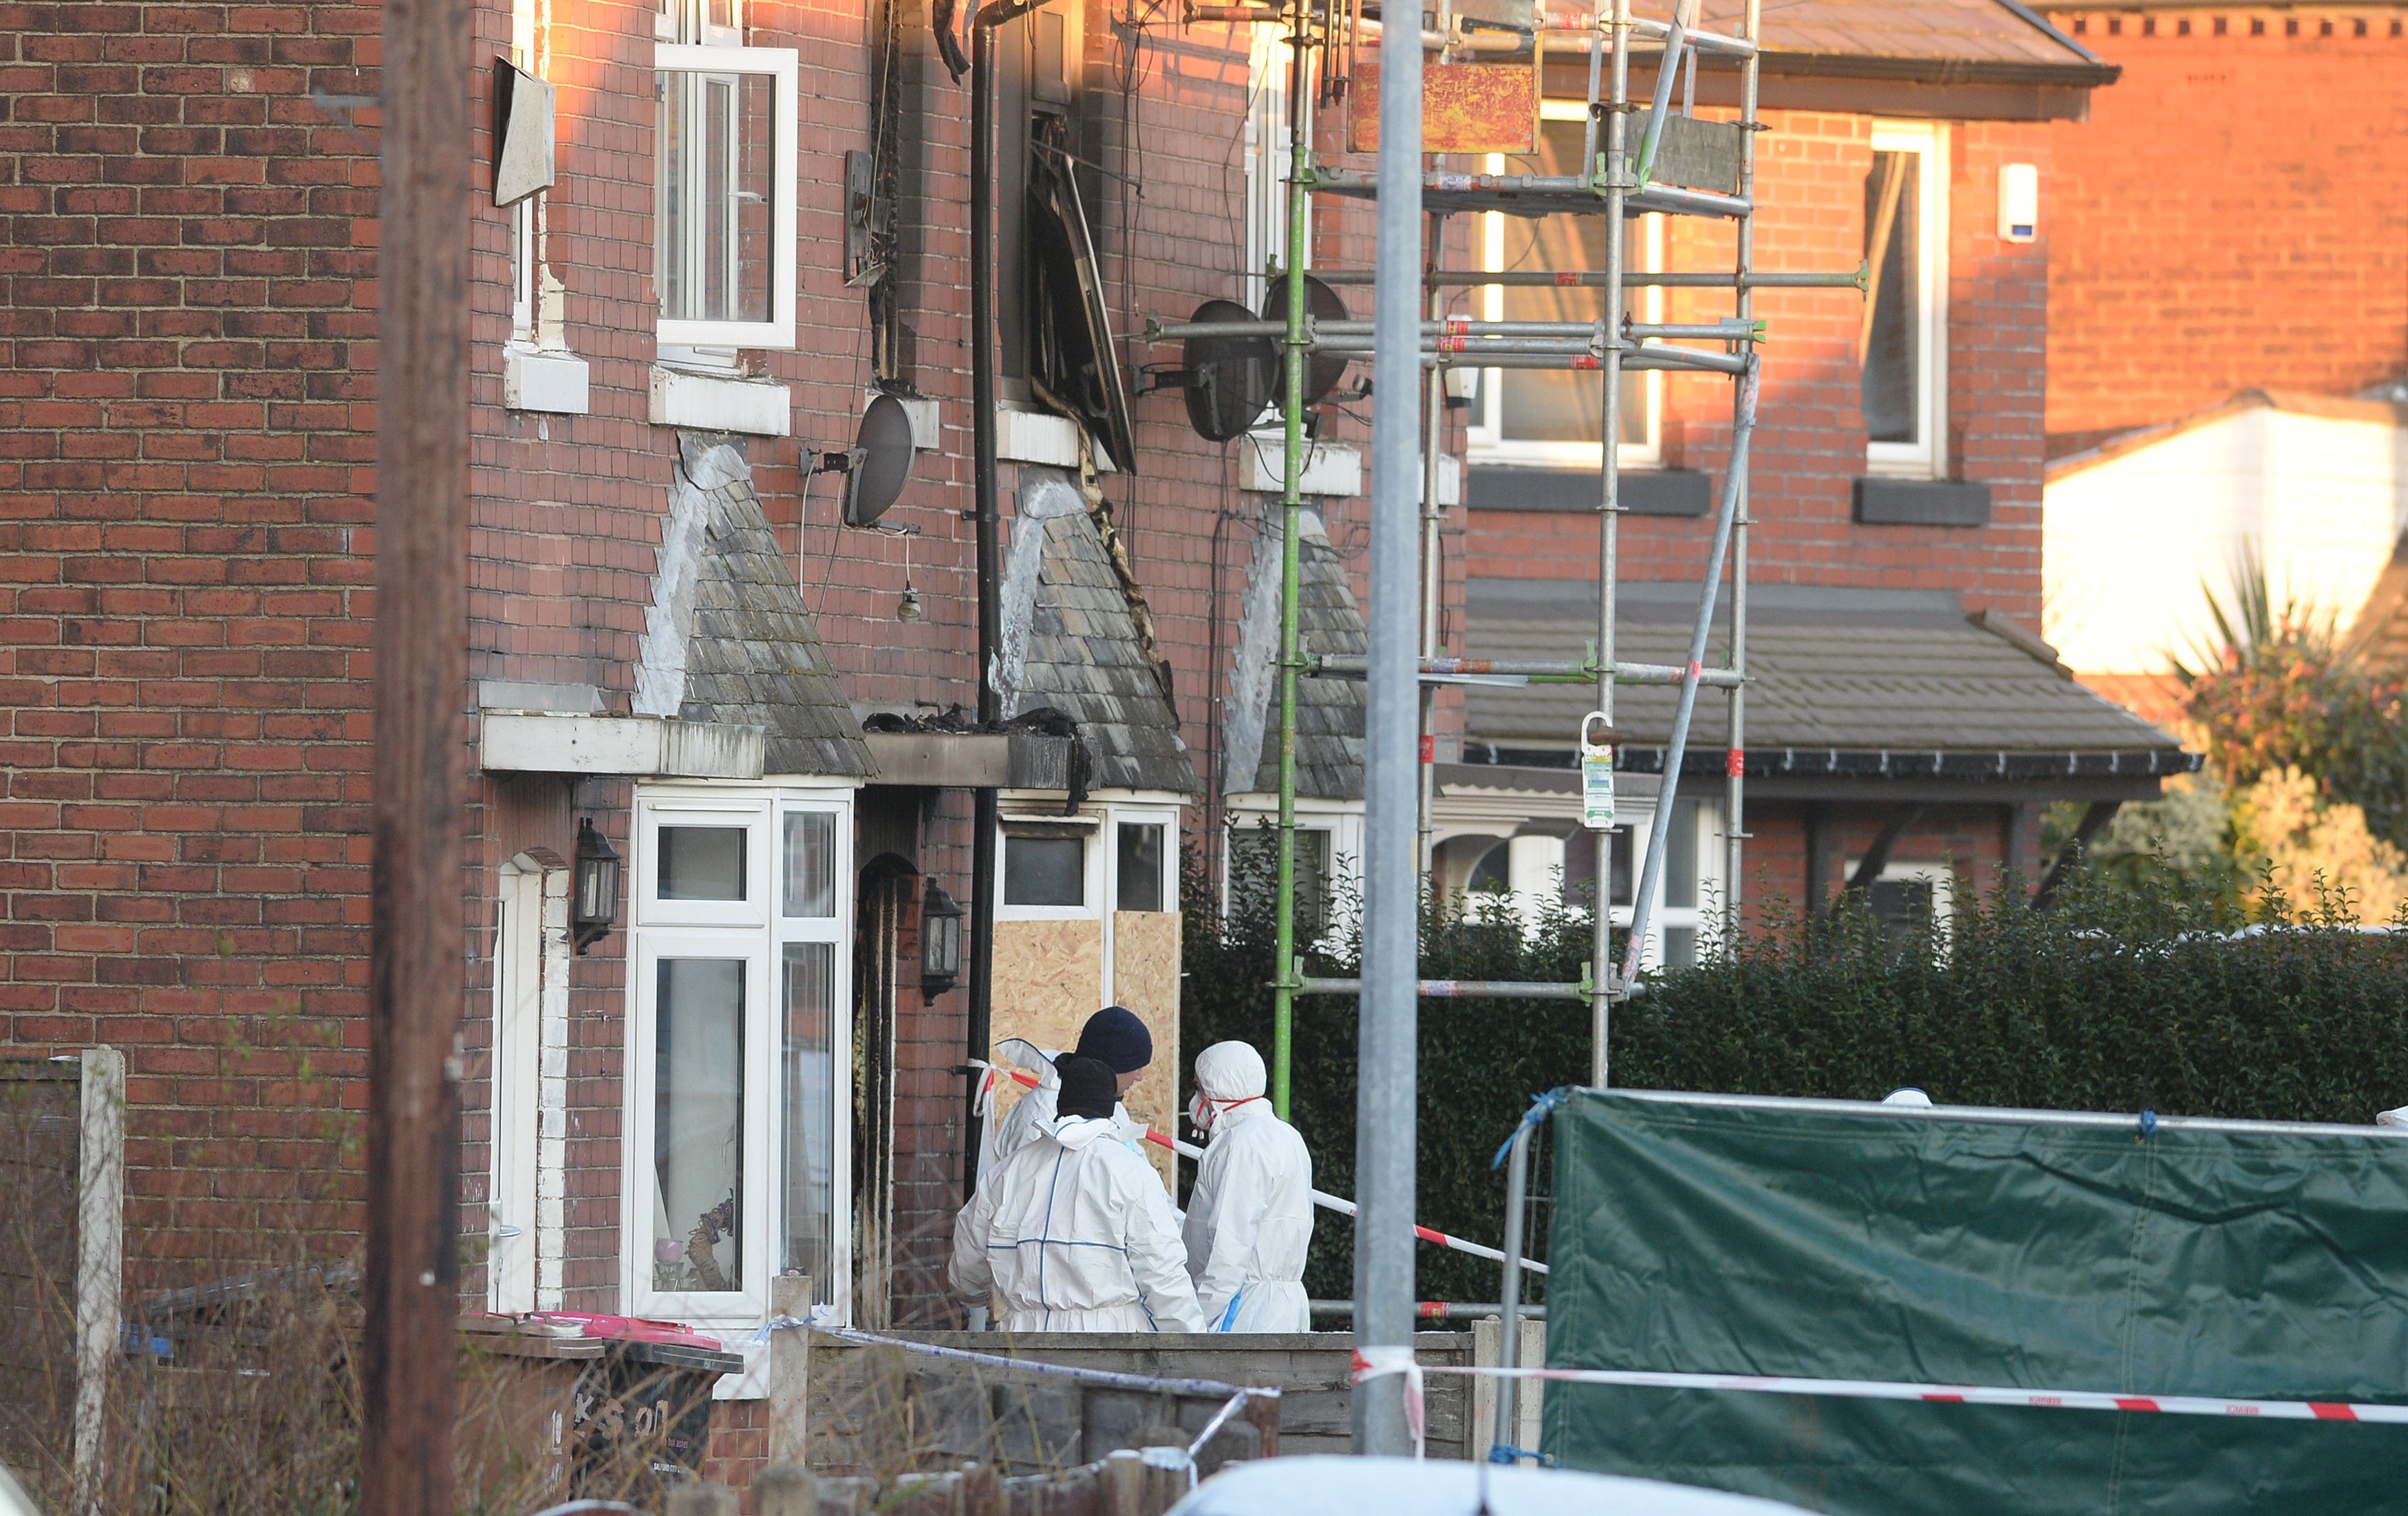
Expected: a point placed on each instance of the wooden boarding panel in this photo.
(1048, 978)
(1466, 108)
(1145, 979)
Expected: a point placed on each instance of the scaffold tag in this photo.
(1596, 774)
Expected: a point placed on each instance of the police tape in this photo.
(1952, 1394)
(1324, 1200)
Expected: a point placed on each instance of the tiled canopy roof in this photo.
(1833, 671)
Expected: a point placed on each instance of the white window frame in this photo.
(1940, 876)
(1166, 817)
(1269, 156)
(1928, 456)
(1095, 902)
(1643, 246)
(756, 932)
(1706, 916)
(783, 65)
(1344, 822)
(524, 250)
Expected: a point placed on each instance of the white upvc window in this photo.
(1902, 343)
(526, 1195)
(1328, 860)
(1269, 158)
(739, 1051)
(1552, 418)
(723, 224)
(1688, 902)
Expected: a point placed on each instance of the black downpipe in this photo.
(989, 524)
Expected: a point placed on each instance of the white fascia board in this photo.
(756, 407)
(535, 379)
(639, 746)
(1329, 468)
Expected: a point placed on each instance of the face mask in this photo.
(1200, 1111)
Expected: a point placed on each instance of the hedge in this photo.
(2118, 999)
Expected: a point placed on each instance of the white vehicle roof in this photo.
(1409, 1487)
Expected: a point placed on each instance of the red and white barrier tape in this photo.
(1961, 1394)
(1326, 1201)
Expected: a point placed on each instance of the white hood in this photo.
(1076, 1132)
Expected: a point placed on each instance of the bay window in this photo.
(737, 1046)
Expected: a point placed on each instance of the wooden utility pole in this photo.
(416, 935)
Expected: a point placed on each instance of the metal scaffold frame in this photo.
(1617, 184)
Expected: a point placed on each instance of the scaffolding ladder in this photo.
(1618, 181)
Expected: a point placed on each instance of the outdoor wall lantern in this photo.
(597, 903)
(941, 941)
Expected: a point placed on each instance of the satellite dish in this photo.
(1229, 379)
(881, 461)
(1321, 371)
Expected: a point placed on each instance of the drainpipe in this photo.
(988, 521)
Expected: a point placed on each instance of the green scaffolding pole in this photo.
(1291, 664)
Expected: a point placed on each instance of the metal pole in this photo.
(1674, 752)
(1300, 115)
(1509, 1348)
(987, 527)
(1433, 588)
(1386, 1084)
(1735, 759)
(416, 934)
(1609, 531)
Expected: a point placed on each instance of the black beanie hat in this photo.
(1088, 1088)
(1114, 1036)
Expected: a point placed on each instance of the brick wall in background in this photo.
(186, 288)
(2233, 213)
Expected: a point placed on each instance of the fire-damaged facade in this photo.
(728, 585)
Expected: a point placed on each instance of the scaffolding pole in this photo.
(1608, 537)
(1295, 343)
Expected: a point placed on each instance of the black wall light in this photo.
(941, 941)
(596, 903)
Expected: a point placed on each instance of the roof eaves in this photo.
(1926, 70)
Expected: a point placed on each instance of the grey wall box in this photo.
(1653, 491)
(1922, 503)
(523, 134)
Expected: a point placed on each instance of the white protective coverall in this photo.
(1250, 1215)
(1071, 1234)
(1032, 1115)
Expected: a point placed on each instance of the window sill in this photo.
(1330, 468)
(535, 379)
(756, 407)
(1684, 493)
(1896, 502)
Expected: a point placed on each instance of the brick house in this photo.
(755, 221)
(2226, 348)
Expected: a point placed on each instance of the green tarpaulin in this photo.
(1713, 1234)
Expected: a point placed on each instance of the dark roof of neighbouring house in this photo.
(1083, 656)
(1841, 682)
(1328, 711)
(752, 656)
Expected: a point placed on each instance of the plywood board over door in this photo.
(1145, 979)
(1048, 978)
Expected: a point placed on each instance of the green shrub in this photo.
(2130, 995)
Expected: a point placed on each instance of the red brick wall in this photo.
(1810, 438)
(183, 495)
(2234, 214)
